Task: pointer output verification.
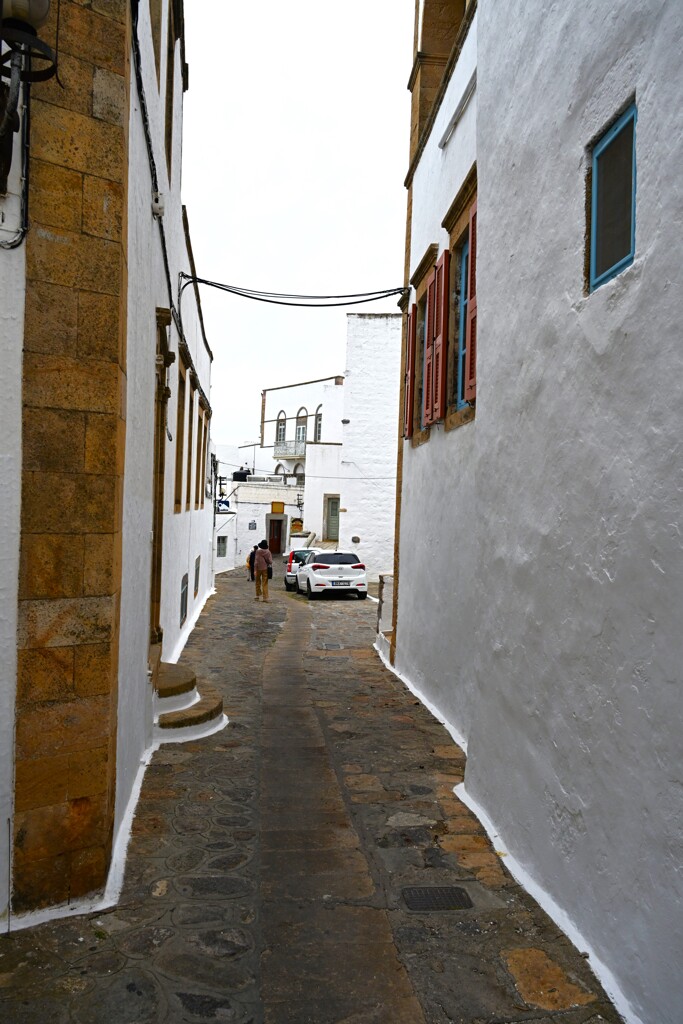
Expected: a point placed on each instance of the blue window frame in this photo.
(462, 326)
(613, 200)
(421, 353)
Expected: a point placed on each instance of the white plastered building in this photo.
(549, 638)
(342, 456)
(167, 515)
(149, 535)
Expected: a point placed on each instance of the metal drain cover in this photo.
(436, 897)
(332, 647)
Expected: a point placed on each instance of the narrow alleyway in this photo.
(266, 874)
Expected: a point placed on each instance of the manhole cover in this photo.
(332, 647)
(436, 897)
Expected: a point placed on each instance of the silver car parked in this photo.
(294, 559)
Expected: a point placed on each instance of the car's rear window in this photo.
(301, 556)
(336, 558)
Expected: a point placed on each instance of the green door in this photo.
(333, 518)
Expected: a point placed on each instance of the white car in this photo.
(331, 572)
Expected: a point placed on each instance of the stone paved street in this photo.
(265, 873)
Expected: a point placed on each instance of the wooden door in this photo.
(275, 537)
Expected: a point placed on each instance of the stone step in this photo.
(209, 706)
(173, 680)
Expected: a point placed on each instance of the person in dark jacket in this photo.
(251, 559)
(262, 562)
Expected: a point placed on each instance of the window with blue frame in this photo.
(420, 361)
(463, 383)
(462, 325)
(613, 200)
(441, 327)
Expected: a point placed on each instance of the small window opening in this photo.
(183, 599)
(613, 200)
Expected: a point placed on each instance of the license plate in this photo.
(340, 583)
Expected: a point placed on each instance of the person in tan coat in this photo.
(262, 562)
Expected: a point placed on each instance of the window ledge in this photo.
(458, 418)
(420, 437)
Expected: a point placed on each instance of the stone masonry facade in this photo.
(74, 388)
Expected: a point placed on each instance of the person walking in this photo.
(250, 562)
(262, 563)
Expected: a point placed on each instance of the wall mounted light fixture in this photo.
(24, 58)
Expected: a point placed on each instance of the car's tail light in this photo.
(289, 563)
(319, 565)
(358, 565)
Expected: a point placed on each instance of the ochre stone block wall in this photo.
(440, 22)
(425, 83)
(73, 449)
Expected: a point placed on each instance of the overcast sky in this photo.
(296, 138)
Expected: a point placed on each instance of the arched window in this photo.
(281, 428)
(299, 473)
(317, 436)
(279, 470)
(301, 425)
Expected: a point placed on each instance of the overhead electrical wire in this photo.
(289, 298)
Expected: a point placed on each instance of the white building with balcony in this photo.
(292, 416)
(335, 440)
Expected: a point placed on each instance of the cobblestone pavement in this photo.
(265, 873)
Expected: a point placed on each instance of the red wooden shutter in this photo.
(443, 276)
(471, 326)
(409, 384)
(428, 382)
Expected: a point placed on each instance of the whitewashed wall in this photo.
(439, 477)
(226, 526)
(368, 458)
(550, 635)
(144, 280)
(332, 428)
(322, 459)
(12, 301)
(253, 504)
(579, 484)
(289, 399)
(323, 477)
(441, 171)
(188, 534)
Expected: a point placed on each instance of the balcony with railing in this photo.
(289, 450)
